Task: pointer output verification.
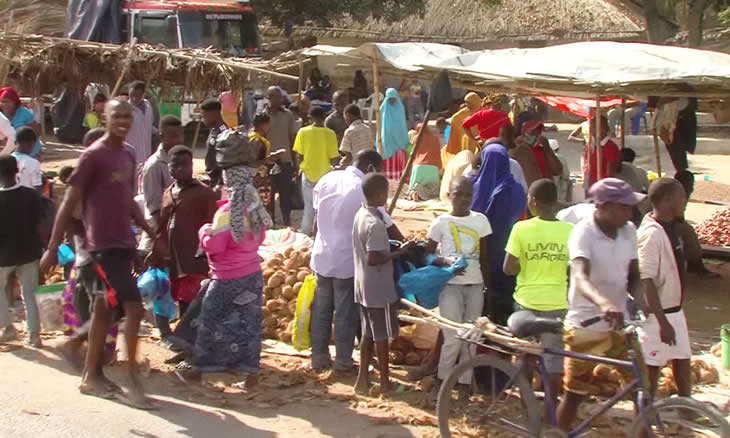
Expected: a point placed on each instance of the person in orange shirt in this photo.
(458, 140)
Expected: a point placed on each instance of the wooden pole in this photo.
(376, 106)
(199, 98)
(407, 171)
(623, 122)
(597, 139)
(301, 78)
(128, 61)
(657, 153)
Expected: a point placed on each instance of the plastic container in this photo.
(725, 339)
(50, 305)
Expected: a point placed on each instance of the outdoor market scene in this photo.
(412, 218)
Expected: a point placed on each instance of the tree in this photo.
(323, 12)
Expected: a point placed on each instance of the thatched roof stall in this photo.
(471, 24)
(39, 64)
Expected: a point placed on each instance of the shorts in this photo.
(577, 373)
(656, 353)
(116, 266)
(553, 362)
(379, 323)
(186, 288)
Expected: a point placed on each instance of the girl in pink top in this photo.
(229, 325)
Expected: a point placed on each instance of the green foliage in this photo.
(724, 16)
(322, 12)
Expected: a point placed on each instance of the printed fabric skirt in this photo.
(229, 326)
(393, 167)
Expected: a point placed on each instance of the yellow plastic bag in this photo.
(303, 314)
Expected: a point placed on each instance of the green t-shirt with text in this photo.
(542, 248)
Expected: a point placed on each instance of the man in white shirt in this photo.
(662, 263)
(338, 195)
(603, 269)
(141, 130)
(29, 169)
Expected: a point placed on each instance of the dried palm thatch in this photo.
(465, 21)
(40, 17)
(40, 64)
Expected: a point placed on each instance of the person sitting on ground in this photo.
(460, 233)
(19, 115)
(186, 206)
(692, 247)
(95, 117)
(664, 337)
(374, 284)
(316, 146)
(29, 169)
(634, 175)
(21, 249)
(603, 269)
(358, 136)
(426, 171)
(537, 253)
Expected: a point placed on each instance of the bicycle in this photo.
(512, 405)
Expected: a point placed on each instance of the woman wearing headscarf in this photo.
(393, 134)
(426, 173)
(458, 140)
(18, 114)
(502, 199)
(456, 167)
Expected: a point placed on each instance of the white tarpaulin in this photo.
(401, 56)
(601, 67)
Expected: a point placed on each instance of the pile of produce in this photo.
(715, 230)
(403, 352)
(284, 274)
(607, 379)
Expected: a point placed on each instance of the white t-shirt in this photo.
(577, 212)
(609, 262)
(459, 236)
(29, 171)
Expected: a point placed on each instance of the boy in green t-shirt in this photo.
(537, 252)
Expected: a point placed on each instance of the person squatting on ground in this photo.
(104, 180)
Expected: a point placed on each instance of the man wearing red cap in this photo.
(603, 268)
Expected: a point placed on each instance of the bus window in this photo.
(157, 31)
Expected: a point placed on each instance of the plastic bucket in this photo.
(725, 336)
(50, 305)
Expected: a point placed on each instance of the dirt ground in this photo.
(326, 401)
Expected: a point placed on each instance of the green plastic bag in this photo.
(303, 314)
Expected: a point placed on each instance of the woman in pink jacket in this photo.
(229, 325)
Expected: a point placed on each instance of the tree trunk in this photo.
(695, 21)
(654, 23)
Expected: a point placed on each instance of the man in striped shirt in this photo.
(358, 136)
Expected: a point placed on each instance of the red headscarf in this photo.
(10, 93)
(531, 125)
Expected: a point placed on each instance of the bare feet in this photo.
(95, 388)
(135, 396)
(71, 352)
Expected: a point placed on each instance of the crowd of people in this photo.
(504, 182)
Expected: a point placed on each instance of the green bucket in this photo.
(58, 287)
(725, 336)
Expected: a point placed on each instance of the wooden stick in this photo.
(127, 63)
(657, 153)
(597, 138)
(301, 78)
(199, 98)
(376, 105)
(623, 122)
(409, 165)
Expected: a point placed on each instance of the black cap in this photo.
(211, 104)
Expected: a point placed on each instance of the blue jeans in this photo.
(333, 296)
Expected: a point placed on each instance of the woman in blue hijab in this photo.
(503, 200)
(394, 134)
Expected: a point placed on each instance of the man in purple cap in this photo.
(603, 269)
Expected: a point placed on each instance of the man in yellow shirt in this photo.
(537, 252)
(316, 147)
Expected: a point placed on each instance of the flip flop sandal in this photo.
(104, 394)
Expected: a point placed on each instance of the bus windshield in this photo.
(232, 33)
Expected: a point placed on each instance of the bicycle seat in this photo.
(524, 324)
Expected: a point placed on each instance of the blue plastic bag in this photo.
(164, 306)
(154, 283)
(65, 255)
(426, 283)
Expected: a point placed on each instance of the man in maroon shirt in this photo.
(487, 120)
(104, 182)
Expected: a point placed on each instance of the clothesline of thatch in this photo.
(40, 64)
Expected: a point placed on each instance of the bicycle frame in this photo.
(638, 386)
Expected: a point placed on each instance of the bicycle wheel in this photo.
(680, 417)
(504, 401)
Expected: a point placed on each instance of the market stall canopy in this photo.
(588, 69)
(399, 56)
(581, 107)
